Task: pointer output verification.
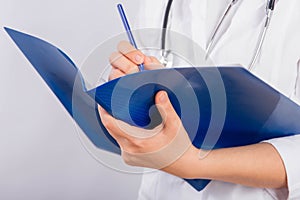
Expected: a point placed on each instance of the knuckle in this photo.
(139, 143)
(177, 120)
(174, 122)
(128, 68)
(121, 45)
(135, 52)
(129, 159)
(113, 57)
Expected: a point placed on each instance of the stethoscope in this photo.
(269, 11)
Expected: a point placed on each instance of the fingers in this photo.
(127, 59)
(131, 53)
(151, 63)
(107, 120)
(159, 151)
(119, 129)
(166, 110)
(115, 73)
(154, 60)
(122, 63)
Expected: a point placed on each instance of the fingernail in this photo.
(138, 58)
(162, 97)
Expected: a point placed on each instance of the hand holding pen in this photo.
(128, 59)
(128, 31)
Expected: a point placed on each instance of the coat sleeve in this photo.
(289, 149)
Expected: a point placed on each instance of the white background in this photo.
(41, 156)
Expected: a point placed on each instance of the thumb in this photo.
(152, 63)
(166, 109)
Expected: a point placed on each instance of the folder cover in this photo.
(245, 108)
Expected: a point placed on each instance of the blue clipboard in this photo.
(254, 110)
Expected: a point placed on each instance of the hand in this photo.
(167, 147)
(127, 58)
(160, 148)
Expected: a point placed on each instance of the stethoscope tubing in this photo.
(269, 11)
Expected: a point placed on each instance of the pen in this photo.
(128, 31)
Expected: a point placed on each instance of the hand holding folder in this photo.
(254, 110)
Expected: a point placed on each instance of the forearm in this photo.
(257, 165)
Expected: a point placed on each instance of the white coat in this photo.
(277, 65)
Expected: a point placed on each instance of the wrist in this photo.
(188, 166)
(195, 164)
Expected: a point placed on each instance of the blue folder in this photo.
(254, 110)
